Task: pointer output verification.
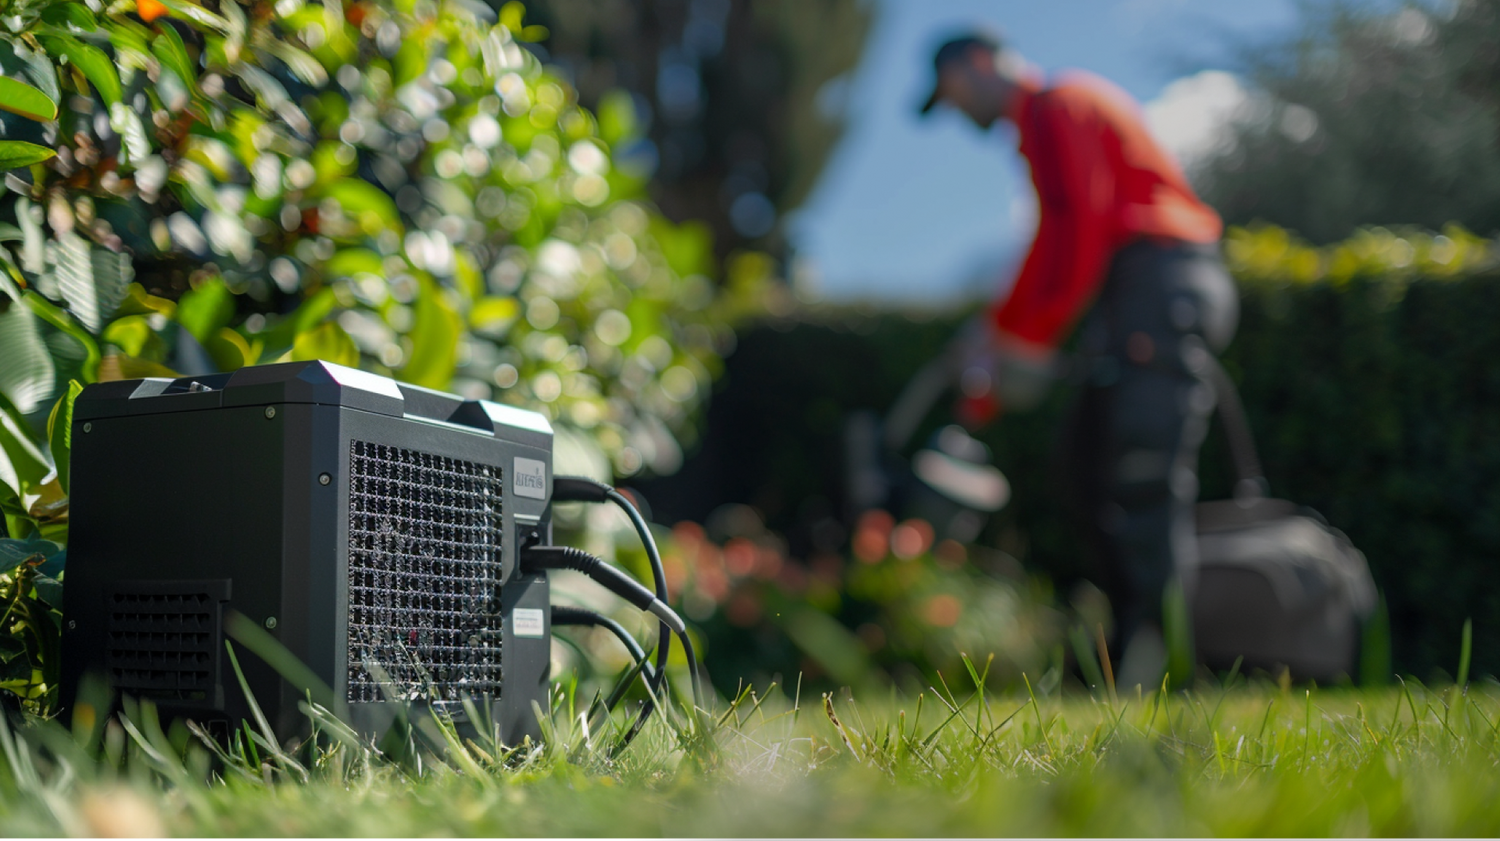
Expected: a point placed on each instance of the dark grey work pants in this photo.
(1132, 442)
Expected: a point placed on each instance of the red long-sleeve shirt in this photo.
(1102, 182)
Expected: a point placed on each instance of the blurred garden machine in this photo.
(949, 481)
(1277, 588)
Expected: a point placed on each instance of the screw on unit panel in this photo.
(88, 427)
(72, 624)
(270, 412)
(324, 478)
(270, 623)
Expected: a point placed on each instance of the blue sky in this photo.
(932, 210)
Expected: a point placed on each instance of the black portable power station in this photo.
(371, 526)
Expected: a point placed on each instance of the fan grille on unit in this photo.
(163, 638)
(424, 576)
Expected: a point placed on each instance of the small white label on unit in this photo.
(527, 622)
(530, 478)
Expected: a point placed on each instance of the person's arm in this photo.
(1075, 184)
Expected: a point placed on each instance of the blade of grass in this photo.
(1038, 709)
(1109, 670)
(1466, 649)
(1083, 650)
(267, 647)
(287, 763)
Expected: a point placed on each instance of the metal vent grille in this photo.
(424, 575)
(164, 638)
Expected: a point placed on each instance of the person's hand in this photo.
(974, 355)
(996, 371)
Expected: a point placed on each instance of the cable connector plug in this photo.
(611, 578)
(579, 489)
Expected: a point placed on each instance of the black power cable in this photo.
(611, 578)
(563, 615)
(567, 557)
(584, 489)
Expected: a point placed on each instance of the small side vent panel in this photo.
(424, 576)
(164, 639)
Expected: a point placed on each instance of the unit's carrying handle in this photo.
(1250, 476)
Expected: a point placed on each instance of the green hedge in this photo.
(1373, 390)
(1380, 407)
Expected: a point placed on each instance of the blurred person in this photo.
(1126, 252)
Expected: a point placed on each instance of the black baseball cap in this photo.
(953, 49)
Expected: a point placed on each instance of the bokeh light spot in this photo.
(612, 327)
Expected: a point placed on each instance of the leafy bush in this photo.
(400, 186)
(1376, 402)
(900, 611)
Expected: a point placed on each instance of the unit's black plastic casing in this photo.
(215, 485)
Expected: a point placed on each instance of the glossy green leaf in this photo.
(94, 63)
(49, 591)
(205, 309)
(688, 247)
(272, 95)
(230, 351)
(20, 98)
(92, 280)
(129, 333)
(118, 366)
(172, 53)
(15, 552)
(40, 69)
(435, 332)
(325, 161)
(10, 277)
(301, 63)
(512, 15)
(24, 467)
(353, 261)
(33, 249)
(235, 26)
(127, 123)
(189, 11)
(15, 154)
(313, 310)
(492, 312)
(27, 371)
(50, 313)
(127, 36)
(75, 14)
(140, 302)
(410, 61)
(361, 199)
(327, 342)
(617, 118)
(60, 431)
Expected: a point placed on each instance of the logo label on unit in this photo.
(530, 478)
(527, 622)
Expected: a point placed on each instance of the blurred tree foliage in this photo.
(395, 184)
(1368, 116)
(399, 186)
(747, 98)
(1366, 367)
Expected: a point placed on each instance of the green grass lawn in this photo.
(1256, 760)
